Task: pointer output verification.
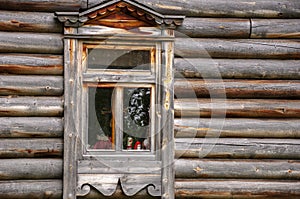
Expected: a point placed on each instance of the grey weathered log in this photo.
(237, 68)
(22, 127)
(214, 88)
(214, 27)
(223, 8)
(24, 189)
(237, 127)
(237, 48)
(237, 148)
(29, 22)
(30, 148)
(275, 28)
(259, 108)
(41, 5)
(241, 189)
(15, 42)
(31, 106)
(31, 85)
(246, 169)
(31, 168)
(31, 64)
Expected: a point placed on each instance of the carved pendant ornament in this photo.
(130, 184)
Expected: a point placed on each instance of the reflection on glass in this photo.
(136, 107)
(119, 59)
(100, 129)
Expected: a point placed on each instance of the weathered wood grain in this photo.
(237, 127)
(214, 27)
(31, 106)
(24, 189)
(237, 48)
(31, 64)
(15, 42)
(30, 148)
(237, 148)
(223, 8)
(31, 85)
(241, 189)
(31, 169)
(254, 108)
(275, 28)
(22, 127)
(29, 22)
(237, 68)
(214, 88)
(41, 5)
(247, 169)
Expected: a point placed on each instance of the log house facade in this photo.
(236, 107)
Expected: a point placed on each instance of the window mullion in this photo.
(118, 116)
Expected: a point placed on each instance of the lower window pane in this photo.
(136, 118)
(100, 125)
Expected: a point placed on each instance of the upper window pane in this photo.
(121, 59)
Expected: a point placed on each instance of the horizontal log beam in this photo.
(237, 68)
(237, 108)
(31, 85)
(42, 5)
(31, 148)
(237, 148)
(214, 27)
(14, 42)
(31, 106)
(237, 189)
(242, 169)
(24, 189)
(26, 127)
(237, 48)
(275, 28)
(221, 8)
(236, 127)
(31, 64)
(18, 169)
(218, 88)
(29, 22)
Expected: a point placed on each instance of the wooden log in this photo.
(22, 127)
(31, 85)
(241, 189)
(237, 68)
(214, 27)
(246, 169)
(18, 169)
(275, 28)
(237, 48)
(29, 22)
(221, 8)
(258, 108)
(218, 88)
(237, 148)
(24, 189)
(31, 106)
(41, 5)
(31, 148)
(31, 64)
(237, 127)
(14, 42)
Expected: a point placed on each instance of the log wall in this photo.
(237, 90)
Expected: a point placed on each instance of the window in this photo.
(118, 60)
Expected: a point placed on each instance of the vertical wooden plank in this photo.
(69, 179)
(167, 150)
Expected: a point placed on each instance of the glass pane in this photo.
(119, 59)
(136, 122)
(101, 122)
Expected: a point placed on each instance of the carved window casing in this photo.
(118, 100)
